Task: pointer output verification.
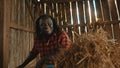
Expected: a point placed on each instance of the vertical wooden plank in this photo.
(74, 13)
(31, 41)
(99, 10)
(28, 43)
(57, 16)
(50, 9)
(15, 12)
(21, 12)
(28, 4)
(116, 31)
(63, 15)
(75, 19)
(92, 12)
(36, 11)
(26, 39)
(18, 12)
(87, 19)
(105, 7)
(65, 23)
(12, 11)
(32, 10)
(6, 18)
(67, 5)
(118, 4)
(24, 45)
(81, 16)
(30, 14)
(20, 49)
(113, 10)
(11, 50)
(30, 21)
(87, 12)
(1, 32)
(23, 7)
(55, 11)
(41, 11)
(72, 27)
(17, 47)
(32, 24)
(24, 10)
(60, 8)
(27, 19)
(47, 8)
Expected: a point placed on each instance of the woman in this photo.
(49, 37)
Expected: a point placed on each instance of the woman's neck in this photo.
(46, 37)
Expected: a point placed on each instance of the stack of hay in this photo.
(94, 50)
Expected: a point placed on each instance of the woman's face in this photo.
(46, 25)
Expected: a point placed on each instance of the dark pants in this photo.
(40, 64)
(44, 60)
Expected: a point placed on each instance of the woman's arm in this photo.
(64, 40)
(28, 59)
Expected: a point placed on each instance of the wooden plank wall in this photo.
(75, 15)
(21, 31)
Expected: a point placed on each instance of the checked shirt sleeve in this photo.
(64, 40)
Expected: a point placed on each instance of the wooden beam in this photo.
(6, 33)
(58, 1)
(102, 23)
(19, 27)
(1, 32)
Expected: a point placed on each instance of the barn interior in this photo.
(81, 19)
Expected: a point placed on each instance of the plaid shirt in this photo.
(46, 48)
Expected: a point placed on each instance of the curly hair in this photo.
(56, 27)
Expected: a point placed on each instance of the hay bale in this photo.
(95, 50)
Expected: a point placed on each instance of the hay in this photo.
(94, 50)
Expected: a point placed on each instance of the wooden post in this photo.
(6, 21)
(1, 32)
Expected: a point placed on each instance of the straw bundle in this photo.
(94, 50)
